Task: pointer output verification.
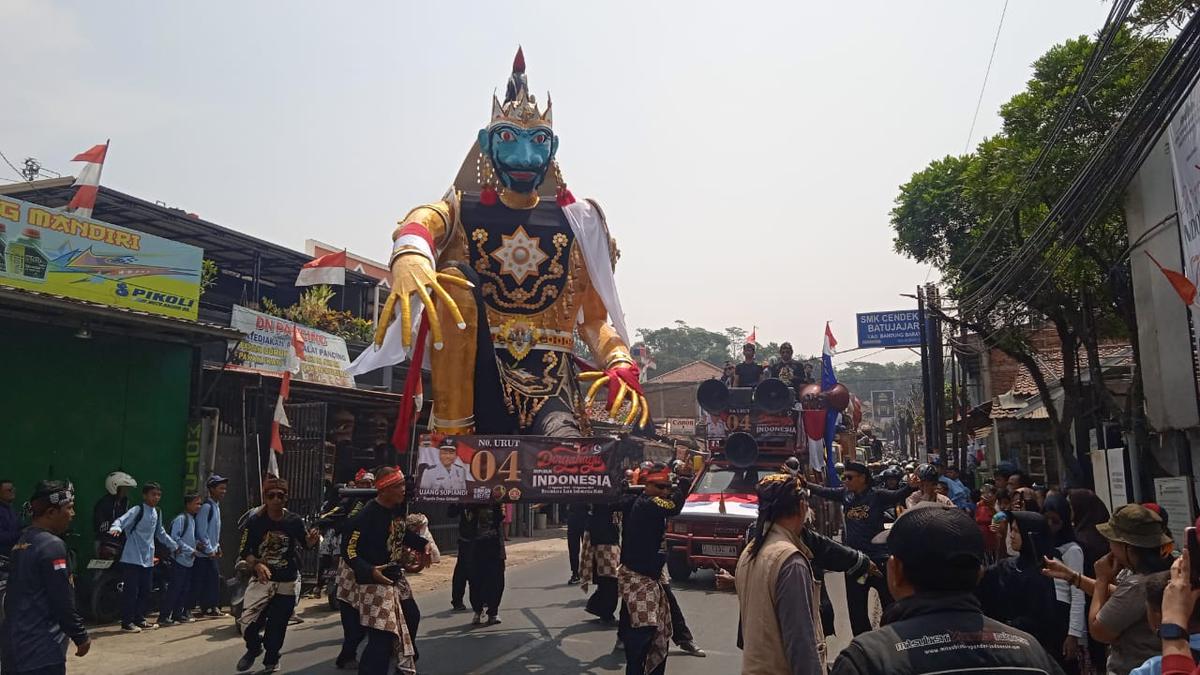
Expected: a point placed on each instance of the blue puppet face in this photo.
(520, 157)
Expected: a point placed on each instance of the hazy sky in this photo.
(746, 154)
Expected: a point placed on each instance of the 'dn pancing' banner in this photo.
(268, 343)
(486, 469)
(49, 251)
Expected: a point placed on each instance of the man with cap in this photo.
(1138, 547)
(777, 592)
(863, 507)
(206, 574)
(936, 624)
(40, 604)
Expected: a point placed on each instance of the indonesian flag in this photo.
(328, 269)
(752, 339)
(1183, 286)
(295, 356)
(88, 181)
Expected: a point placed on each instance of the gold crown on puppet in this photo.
(520, 107)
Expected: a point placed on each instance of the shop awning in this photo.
(59, 310)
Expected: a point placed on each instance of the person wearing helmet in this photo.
(928, 490)
(111, 506)
(891, 477)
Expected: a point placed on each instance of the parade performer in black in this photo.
(864, 507)
(40, 604)
(487, 564)
(339, 520)
(270, 546)
(375, 585)
(599, 559)
(646, 613)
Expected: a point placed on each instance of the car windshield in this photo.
(730, 481)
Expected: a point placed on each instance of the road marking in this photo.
(529, 646)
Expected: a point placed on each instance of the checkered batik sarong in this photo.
(378, 607)
(599, 560)
(646, 601)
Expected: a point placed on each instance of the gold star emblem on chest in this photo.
(519, 255)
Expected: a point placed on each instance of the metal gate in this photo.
(305, 461)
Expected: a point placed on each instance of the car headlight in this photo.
(679, 528)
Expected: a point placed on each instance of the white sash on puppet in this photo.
(588, 225)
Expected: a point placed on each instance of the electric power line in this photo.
(986, 73)
(10, 165)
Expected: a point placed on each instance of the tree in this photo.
(674, 346)
(968, 214)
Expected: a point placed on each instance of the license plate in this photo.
(99, 564)
(719, 550)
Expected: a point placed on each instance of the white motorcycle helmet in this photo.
(118, 479)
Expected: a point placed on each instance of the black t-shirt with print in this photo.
(275, 543)
(791, 372)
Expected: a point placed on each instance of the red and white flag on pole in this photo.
(1179, 281)
(88, 181)
(328, 269)
(752, 339)
(279, 419)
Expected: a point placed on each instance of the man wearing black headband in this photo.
(863, 507)
(41, 594)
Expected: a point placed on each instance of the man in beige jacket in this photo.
(776, 591)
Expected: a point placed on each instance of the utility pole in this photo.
(925, 384)
(937, 373)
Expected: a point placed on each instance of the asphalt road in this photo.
(544, 630)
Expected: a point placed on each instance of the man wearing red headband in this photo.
(646, 626)
(338, 519)
(374, 583)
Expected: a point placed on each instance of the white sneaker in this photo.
(477, 620)
(130, 628)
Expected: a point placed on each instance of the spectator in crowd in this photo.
(958, 493)
(1088, 512)
(40, 601)
(1138, 547)
(985, 510)
(863, 507)
(927, 474)
(206, 574)
(1014, 591)
(1071, 609)
(1179, 621)
(1156, 586)
(1017, 479)
(10, 526)
(174, 598)
(1162, 513)
(936, 625)
(111, 506)
(141, 526)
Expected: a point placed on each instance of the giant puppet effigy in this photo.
(501, 274)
